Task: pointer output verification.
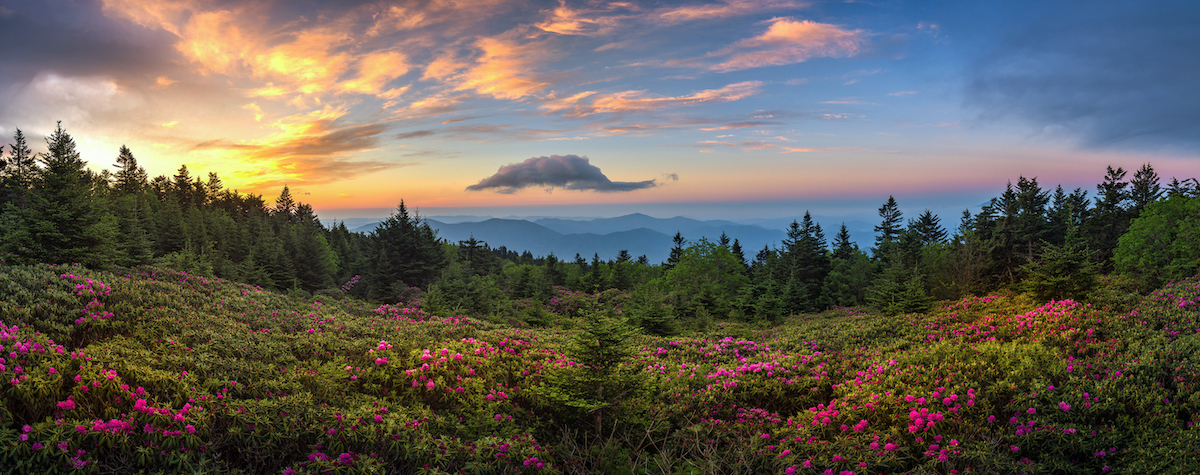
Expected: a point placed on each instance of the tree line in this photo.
(1052, 243)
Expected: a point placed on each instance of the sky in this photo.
(717, 109)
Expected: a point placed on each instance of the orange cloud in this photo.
(306, 149)
(566, 21)
(726, 9)
(376, 70)
(504, 68)
(590, 102)
(788, 41)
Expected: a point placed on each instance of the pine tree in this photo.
(20, 172)
(285, 206)
(929, 229)
(130, 178)
(843, 247)
(739, 254)
(889, 229)
(404, 252)
(182, 188)
(1110, 218)
(1143, 190)
(66, 222)
(676, 251)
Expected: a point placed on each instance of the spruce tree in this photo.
(1143, 190)
(130, 178)
(929, 229)
(889, 229)
(19, 172)
(843, 247)
(1110, 219)
(66, 222)
(676, 251)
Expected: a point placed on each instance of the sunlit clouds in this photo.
(789, 41)
(390, 99)
(590, 102)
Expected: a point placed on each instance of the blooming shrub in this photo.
(186, 373)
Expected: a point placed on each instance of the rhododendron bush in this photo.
(149, 370)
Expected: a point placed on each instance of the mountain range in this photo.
(637, 233)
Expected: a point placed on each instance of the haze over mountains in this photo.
(637, 233)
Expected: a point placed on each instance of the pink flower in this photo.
(430, 385)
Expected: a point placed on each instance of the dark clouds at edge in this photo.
(1111, 74)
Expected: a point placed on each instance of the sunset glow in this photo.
(361, 104)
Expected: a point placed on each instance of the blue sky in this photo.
(715, 109)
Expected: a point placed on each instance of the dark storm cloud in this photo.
(1117, 74)
(73, 38)
(571, 172)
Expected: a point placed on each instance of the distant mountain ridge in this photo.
(637, 233)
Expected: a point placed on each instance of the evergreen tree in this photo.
(285, 206)
(130, 179)
(1061, 272)
(1143, 190)
(889, 229)
(20, 171)
(181, 187)
(1110, 218)
(66, 223)
(843, 247)
(739, 254)
(676, 251)
(405, 251)
(928, 228)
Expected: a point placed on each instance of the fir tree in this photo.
(1143, 190)
(130, 178)
(843, 247)
(676, 251)
(929, 229)
(20, 171)
(66, 223)
(889, 229)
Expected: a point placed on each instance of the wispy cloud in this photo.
(504, 67)
(565, 20)
(309, 148)
(571, 172)
(789, 41)
(724, 9)
(591, 102)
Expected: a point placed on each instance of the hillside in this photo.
(156, 370)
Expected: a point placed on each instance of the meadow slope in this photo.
(152, 370)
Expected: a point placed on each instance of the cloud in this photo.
(590, 102)
(741, 125)
(725, 9)
(571, 172)
(902, 93)
(1118, 76)
(415, 134)
(748, 145)
(789, 41)
(309, 148)
(567, 21)
(503, 67)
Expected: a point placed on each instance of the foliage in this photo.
(154, 370)
(1163, 243)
